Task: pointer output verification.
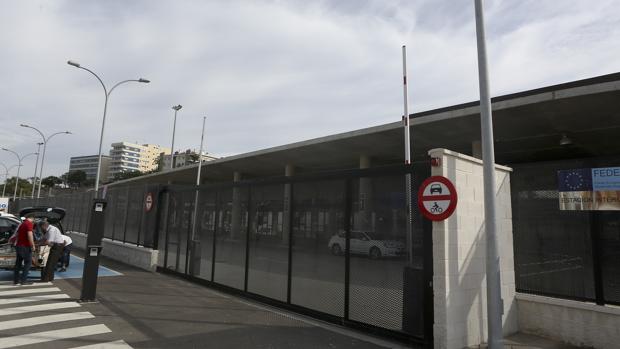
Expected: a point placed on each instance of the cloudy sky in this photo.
(267, 73)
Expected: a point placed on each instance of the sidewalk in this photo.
(152, 310)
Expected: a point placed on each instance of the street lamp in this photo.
(34, 178)
(176, 108)
(105, 108)
(19, 164)
(6, 176)
(45, 140)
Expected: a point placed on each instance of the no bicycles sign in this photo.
(437, 198)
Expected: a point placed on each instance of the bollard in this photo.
(93, 250)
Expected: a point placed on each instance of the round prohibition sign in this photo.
(437, 198)
(148, 202)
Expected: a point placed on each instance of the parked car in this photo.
(53, 215)
(364, 244)
(8, 225)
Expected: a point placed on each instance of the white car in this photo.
(363, 243)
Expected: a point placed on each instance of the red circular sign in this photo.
(148, 202)
(437, 198)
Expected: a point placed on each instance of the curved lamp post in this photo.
(45, 140)
(19, 164)
(176, 108)
(105, 108)
(6, 175)
(34, 178)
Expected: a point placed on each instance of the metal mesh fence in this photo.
(332, 245)
(124, 219)
(563, 253)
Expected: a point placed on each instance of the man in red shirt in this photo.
(24, 246)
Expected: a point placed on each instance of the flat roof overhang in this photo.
(528, 127)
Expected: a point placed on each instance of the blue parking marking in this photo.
(74, 271)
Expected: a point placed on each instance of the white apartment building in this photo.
(186, 158)
(88, 164)
(126, 157)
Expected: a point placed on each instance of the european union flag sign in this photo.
(575, 180)
(588, 189)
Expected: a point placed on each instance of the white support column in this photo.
(365, 217)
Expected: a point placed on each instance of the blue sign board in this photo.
(606, 178)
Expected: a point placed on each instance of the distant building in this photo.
(128, 157)
(185, 158)
(88, 164)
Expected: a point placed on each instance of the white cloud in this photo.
(272, 72)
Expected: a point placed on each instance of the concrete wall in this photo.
(574, 322)
(459, 251)
(140, 257)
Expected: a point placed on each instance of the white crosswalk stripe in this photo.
(48, 336)
(43, 297)
(47, 319)
(68, 316)
(36, 284)
(109, 345)
(38, 307)
(28, 290)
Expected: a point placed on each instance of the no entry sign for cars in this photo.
(148, 202)
(437, 198)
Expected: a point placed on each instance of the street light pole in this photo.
(6, 176)
(34, 180)
(19, 164)
(105, 109)
(45, 140)
(176, 108)
(494, 290)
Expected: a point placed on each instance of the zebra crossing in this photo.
(41, 316)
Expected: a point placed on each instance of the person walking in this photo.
(63, 263)
(53, 238)
(24, 246)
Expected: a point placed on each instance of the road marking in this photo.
(44, 297)
(38, 284)
(109, 345)
(47, 319)
(48, 336)
(39, 307)
(26, 291)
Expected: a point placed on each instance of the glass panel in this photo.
(318, 260)
(134, 215)
(120, 214)
(231, 238)
(108, 226)
(202, 255)
(553, 253)
(377, 251)
(609, 254)
(268, 255)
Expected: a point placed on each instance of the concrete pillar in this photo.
(289, 171)
(235, 224)
(476, 149)
(365, 219)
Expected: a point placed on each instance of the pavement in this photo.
(140, 309)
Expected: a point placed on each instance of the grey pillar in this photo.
(289, 171)
(235, 224)
(364, 219)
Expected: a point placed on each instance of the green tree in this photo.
(23, 186)
(76, 178)
(126, 175)
(51, 181)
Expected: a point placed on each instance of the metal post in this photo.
(41, 169)
(494, 294)
(176, 108)
(407, 159)
(204, 119)
(17, 179)
(105, 110)
(36, 165)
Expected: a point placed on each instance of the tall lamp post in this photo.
(45, 140)
(34, 178)
(6, 176)
(176, 108)
(19, 164)
(105, 108)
